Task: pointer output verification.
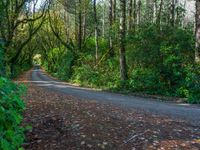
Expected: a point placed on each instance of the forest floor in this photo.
(63, 122)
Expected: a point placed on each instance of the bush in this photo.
(146, 80)
(193, 84)
(85, 75)
(105, 75)
(11, 108)
(59, 63)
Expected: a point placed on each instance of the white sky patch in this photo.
(190, 6)
(37, 4)
(190, 10)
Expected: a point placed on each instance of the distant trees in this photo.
(85, 19)
(101, 43)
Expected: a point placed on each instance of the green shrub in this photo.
(11, 108)
(146, 80)
(105, 76)
(193, 84)
(85, 75)
(158, 62)
(59, 63)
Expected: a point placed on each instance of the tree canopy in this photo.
(148, 46)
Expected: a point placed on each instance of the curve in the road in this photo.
(177, 111)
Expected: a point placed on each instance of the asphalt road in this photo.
(185, 112)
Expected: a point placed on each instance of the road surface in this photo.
(185, 112)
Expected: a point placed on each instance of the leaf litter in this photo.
(63, 122)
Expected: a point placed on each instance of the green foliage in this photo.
(193, 84)
(59, 63)
(106, 75)
(159, 62)
(18, 69)
(11, 108)
(146, 80)
(85, 75)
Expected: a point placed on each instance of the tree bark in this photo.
(76, 23)
(173, 13)
(122, 51)
(84, 21)
(114, 10)
(139, 11)
(103, 20)
(96, 31)
(134, 15)
(130, 26)
(2, 62)
(155, 10)
(111, 52)
(197, 31)
(158, 19)
(80, 27)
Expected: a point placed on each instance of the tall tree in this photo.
(96, 30)
(122, 51)
(84, 19)
(80, 32)
(139, 12)
(197, 31)
(134, 14)
(111, 52)
(158, 18)
(114, 10)
(173, 3)
(103, 19)
(130, 22)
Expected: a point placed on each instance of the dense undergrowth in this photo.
(11, 109)
(159, 62)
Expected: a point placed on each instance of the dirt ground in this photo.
(63, 122)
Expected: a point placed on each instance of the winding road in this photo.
(185, 112)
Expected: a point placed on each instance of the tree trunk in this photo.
(84, 22)
(111, 52)
(155, 10)
(172, 13)
(80, 27)
(139, 11)
(66, 18)
(76, 23)
(114, 10)
(197, 57)
(103, 21)
(158, 19)
(134, 15)
(96, 31)
(2, 62)
(130, 22)
(122, 51)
